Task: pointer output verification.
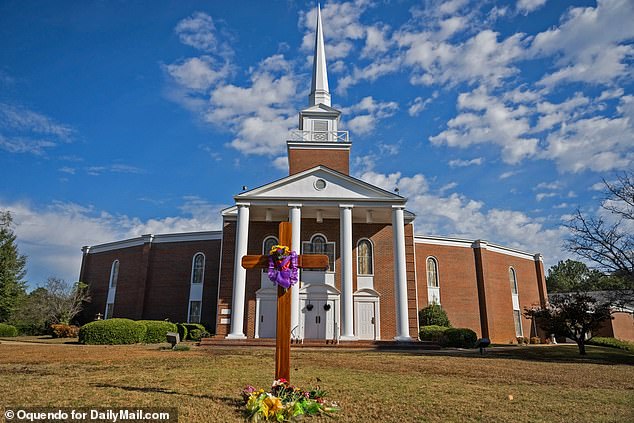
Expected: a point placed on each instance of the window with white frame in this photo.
(517, 318)
(194, 311)
(432, 272)
(114, 274)
(198, 268)
(517, 315)
(364, 257)
(513, 280)
(267, 244)
(109, 311)
(319, 245)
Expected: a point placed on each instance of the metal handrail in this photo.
(318, 136)
(294, 336)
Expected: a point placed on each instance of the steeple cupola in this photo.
(319, 140)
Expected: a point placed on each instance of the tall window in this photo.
(194, 311)
(109, 311)
(198, 268)
(517, 318)
(114, 274)
(432, 272)
(364, 257)
(513, 280)
(319, 245)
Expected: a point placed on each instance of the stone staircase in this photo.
(321, 343)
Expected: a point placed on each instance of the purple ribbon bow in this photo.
(284, 272)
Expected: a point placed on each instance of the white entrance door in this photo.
(314, 320)
(268, 318)
(366, 320)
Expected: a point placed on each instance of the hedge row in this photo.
(112, 332)
(156, 330)
(449, 337)
(126, 331)
(8, 330)
(612, 343)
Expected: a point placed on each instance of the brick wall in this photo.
(457, 281)
(499, 297)
(303, 159)
(153, 282)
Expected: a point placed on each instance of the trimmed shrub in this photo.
(196, 334)
(180, 348)
(432, 333)
(433, 315)
(535, 340)
(612, 343)
(112, 332)
(8, 330)
(156, 330)
(182, 331)
(64, 331)
(459, 338)
(191, 326)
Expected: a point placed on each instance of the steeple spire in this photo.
(319, 87)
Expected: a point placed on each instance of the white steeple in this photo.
(319, 87)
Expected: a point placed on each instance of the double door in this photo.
(318, 319)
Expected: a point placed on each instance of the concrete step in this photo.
(320, 343)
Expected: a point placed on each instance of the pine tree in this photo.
(12, 269)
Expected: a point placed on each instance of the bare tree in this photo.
(65, 301)
(607, 238)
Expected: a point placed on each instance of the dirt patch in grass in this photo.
(546, 384)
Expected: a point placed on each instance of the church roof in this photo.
(337, 186)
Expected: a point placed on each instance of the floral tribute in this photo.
(283, 268)
(285, 402)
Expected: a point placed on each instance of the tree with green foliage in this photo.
(571, 275)
(433, 314)
(31, 316)
(12, 269)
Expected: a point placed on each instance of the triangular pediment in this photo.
(320, 108)
(320, 183)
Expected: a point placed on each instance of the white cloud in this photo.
(197, 73)
(464, 163)
(198, 31)
(419, 104)
(590, 44)
(481, 58)
(52, 236)
(367, 113)
(528, 6)
(540, 196)
(486, 119)
(458, 216)
(26, 131)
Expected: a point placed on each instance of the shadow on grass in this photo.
(552, 354)
(233, 402)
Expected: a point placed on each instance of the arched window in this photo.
(319, 245)
(513, 280)
(432, 272)
(364, 257)
(114, 274)
(198, 268)
(268, 243)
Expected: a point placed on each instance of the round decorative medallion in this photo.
(320, 184)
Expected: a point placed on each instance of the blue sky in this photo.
(496, 119)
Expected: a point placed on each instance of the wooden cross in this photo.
(283, 330)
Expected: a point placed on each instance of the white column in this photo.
(347, 327)
(400, 274)
(296, 223)
(239, 273)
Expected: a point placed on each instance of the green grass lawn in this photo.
(547, 383)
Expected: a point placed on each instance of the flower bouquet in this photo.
(285, 402)
(283, 268)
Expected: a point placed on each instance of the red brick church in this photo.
(380, 272)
